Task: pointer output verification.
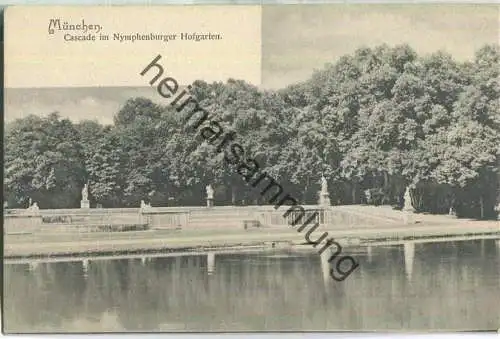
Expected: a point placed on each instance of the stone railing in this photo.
(19, 221)
(276, 218)
(92, 220)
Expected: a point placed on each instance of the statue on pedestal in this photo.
(85, 192)
(210, 196)
(324, 185)
(324, 199)
(368, 196)
(33, 208)
(144, 205)
(84, 203)
(407, 201)
(210, 192)
(407, 208)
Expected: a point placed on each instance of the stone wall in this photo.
(93, 220)
(21, 223)
(119, 219)
(157, 219)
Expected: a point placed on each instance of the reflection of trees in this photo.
(258, 292)
(451, 288)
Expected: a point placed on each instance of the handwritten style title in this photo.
(56, 24)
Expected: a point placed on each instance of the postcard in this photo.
(244, 168)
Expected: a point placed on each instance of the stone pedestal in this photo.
(408, 207)
(407, 217)
(210, 196)
(324, 199)
(452, 213)
(84, 204)
(210, 202)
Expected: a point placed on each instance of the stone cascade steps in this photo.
(380, 213)
(355, 217)
(96, 219)
(215, 225)
(219, 218)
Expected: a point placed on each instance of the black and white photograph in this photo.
(274, 168)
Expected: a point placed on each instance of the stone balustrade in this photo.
(26, 221)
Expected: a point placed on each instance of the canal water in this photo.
(450, 286)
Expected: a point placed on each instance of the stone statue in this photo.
(324, 185)
(210, 196)
(368, 196)
(210, 192)
(324, 199)
(85, 193)
(84, 203)
(143, 204)
(407, 201)
(33, 207)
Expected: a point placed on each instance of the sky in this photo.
(299, 39)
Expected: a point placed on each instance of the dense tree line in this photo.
(373, 123)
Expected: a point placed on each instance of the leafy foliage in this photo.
(377, 121)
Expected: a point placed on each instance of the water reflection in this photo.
(449, 286)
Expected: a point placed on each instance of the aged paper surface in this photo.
(251, 168)
(36, 58)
